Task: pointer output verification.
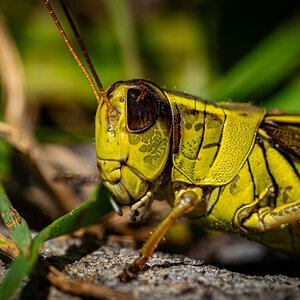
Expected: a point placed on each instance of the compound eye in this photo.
(142, 109)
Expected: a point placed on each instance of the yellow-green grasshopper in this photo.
(230, 166)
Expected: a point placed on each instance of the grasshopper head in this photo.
(132, 138)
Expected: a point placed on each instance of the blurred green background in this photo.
(220, 50)
(241, 50)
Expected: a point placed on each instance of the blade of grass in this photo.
(264, 66)
(8, 247)
(90, 212)
(123, 23)
(20, 234)
(16, 225)
(287, 98)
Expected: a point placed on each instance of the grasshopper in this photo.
(228, 166)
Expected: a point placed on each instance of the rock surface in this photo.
(169, 276)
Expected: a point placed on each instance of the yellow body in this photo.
(236, 164)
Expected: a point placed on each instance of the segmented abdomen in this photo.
(269, 178)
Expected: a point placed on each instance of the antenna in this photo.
(83, 49)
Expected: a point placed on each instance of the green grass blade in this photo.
(287, 98)
(20, 234)
(8, 247)
(90, 212)
(17, 226)
(20, 268)
(123, 23)
(263, 67)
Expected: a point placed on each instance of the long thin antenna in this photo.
(74, 54)
(84, 52)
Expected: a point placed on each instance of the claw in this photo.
(130, 272)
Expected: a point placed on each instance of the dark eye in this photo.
(141, 109)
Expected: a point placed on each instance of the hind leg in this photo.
(267, 218)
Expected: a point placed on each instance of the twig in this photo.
(79, 288)
(15, 138)
(11, 72)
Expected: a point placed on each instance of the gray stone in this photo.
(169, 276)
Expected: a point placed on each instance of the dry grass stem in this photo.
(76, 287)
